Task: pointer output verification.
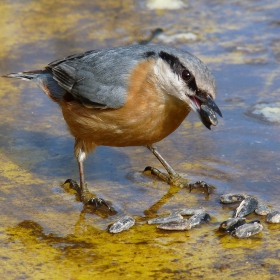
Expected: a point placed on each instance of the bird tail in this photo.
(27, 76)
(43, 79)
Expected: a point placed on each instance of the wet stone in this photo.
(247, 206)
(199, 218)
(232, 197)
(163, 220)
(248, 229)
(262, 210)
(167, 4)
(268, 112)
(122, 224)
(186, 224)
(191, 210)
(167, 39)
(231, 224)
(178, 225)
(273, 217)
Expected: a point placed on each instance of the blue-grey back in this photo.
(100, 78)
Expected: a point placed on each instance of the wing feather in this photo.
(98, 79)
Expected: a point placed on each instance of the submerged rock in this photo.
(232, 223)
(248, 229)
(185, 224)
(177, 225)
(182, 37)
(122, 224)
(232, 197)
(166, 5)
(199, 218)
(163, 220)
(262, 210)
(191, 210)
(247, 206)
(268, 112)
(273, 217)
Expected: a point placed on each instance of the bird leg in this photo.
(85, 195)
(172, 177)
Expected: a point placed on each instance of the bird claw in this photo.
(85, 195)
(177, 180)
(200, 184)
(73, 185)
(97, 201)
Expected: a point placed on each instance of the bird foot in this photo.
(177, 180)
(86, 196)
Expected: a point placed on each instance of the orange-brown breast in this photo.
(148, 116)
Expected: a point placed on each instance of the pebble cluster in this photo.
(174, 221)
(237, 225)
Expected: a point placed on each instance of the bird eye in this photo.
(186, 75)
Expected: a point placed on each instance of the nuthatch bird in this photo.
(127, 96)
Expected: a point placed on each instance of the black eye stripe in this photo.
(192, 85)
(178, 68)
(173, 61)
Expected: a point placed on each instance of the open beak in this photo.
(206, 108)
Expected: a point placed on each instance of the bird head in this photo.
(184, 76)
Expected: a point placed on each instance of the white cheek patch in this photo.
(169, 81)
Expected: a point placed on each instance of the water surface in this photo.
(46, 233)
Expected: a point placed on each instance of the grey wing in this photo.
(100, 78)
(91, 81)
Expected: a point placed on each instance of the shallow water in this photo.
(46, 233)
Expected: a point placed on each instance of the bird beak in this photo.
(206, 108)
